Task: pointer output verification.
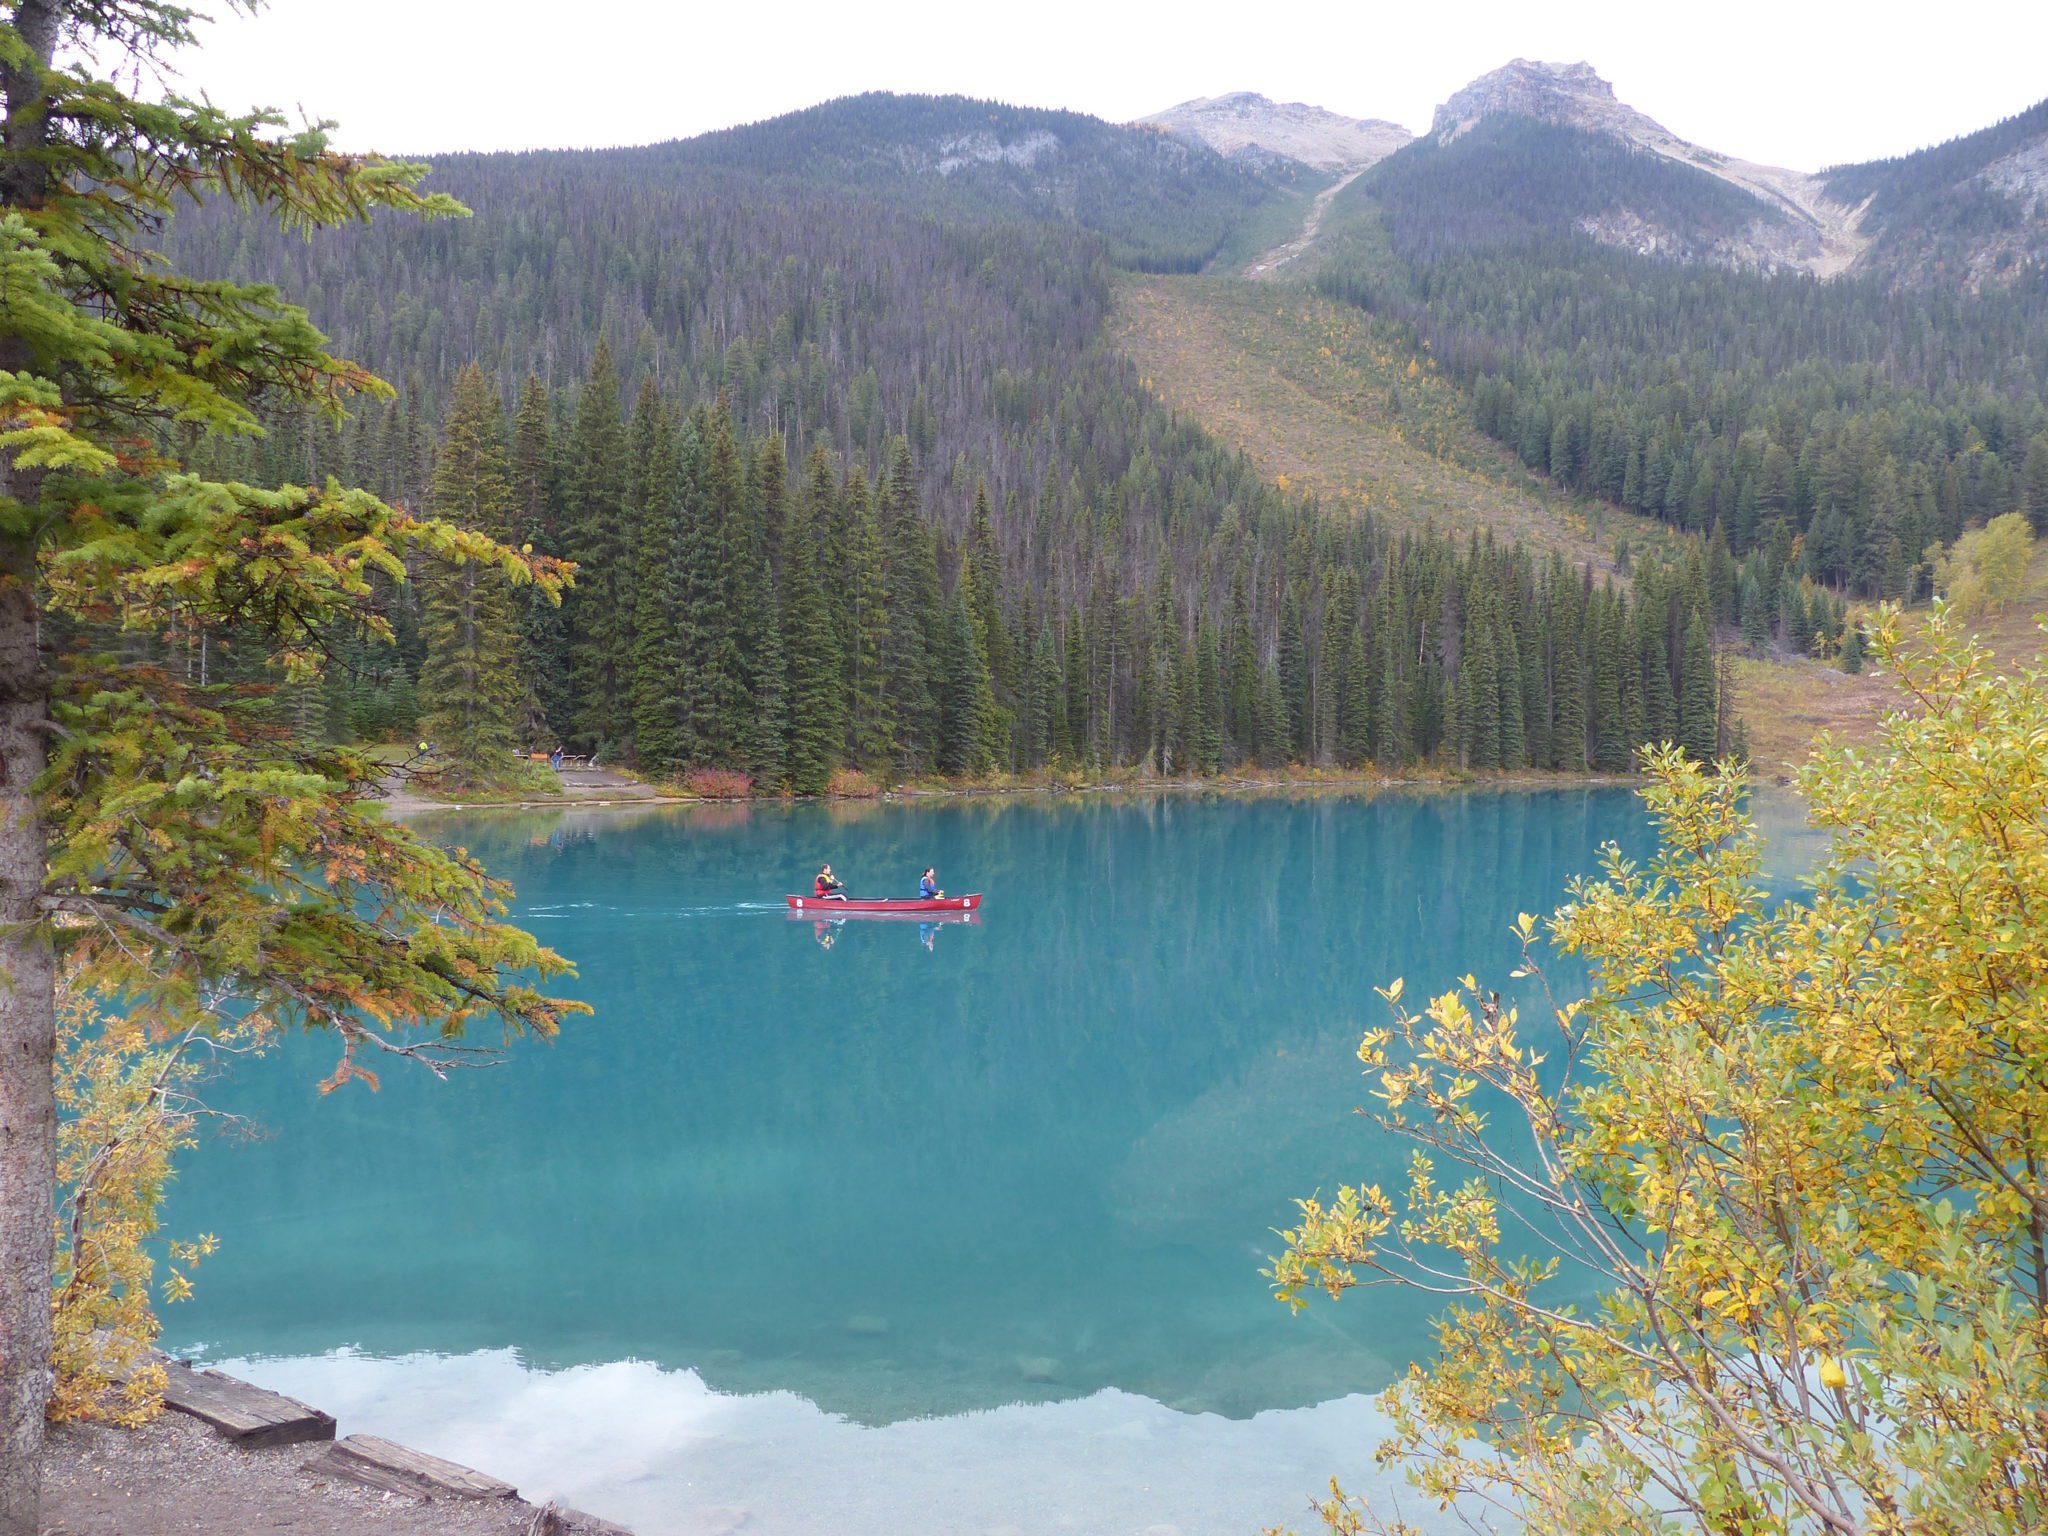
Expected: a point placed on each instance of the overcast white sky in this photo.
(1788, 83)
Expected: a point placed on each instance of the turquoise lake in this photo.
(879, 1226)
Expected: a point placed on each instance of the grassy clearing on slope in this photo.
(1352, 236)
(1273, 222)
(1330, 403)
(1786, 704)
(1324, 401)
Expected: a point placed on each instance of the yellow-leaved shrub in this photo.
(125, 1109)
(1752, 1238)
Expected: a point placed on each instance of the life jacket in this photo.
(821, 886)
(927, 887)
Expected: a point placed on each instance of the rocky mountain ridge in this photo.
(1800, 224)
(1247, 126)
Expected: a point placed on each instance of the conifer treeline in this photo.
(732, 614)
(854, 479)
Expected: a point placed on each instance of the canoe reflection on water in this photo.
(826, 929)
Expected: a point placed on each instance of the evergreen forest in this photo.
(822, 410)
(1823, 433)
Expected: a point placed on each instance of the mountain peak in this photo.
(1573, 94)
(1248, 126)
(1800, 224)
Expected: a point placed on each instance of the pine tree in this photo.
(965, 742)
(768, 484)
(1344, 667)
(595, 538)
(2034, 483)
(1270, 731)
(547, 709)
(548, 706)
(1854, 649)
(1429, 705)
(1042, 695)
(1635, 724)
(1354, 701)
(1206, 747)
(1240, 668)
(1795, 633)
(810, 645)
(757, 615)
(1756, 618)
(912, 598)
(532, 468)
(716, 710)
(871, 742)
(469, 687)
(1699, 716)
(664, 459)
(1390, 743)
(1569, 679)
(1537, 705)
(768, 738)
(1078, 711)
(985, 559)
(1653, 660)
(1721, 577)
(1163, 654)
(1294, 676)
(1182, 729)
(1513, 735)
(1613, 747)
(1478, 691)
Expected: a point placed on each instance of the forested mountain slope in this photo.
(824, 411)
(1968, 212)
(1818, 436)
(1163, 203)
(1861, 417)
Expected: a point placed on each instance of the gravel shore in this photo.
(176, 1477)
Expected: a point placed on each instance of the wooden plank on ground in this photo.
(249, 1416)
(379, 1463)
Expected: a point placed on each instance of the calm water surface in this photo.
(879, 1226)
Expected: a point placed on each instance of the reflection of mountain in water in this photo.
(1042, 1158)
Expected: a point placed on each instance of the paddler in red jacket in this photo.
(826, 888)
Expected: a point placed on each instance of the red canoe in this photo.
(915, 904)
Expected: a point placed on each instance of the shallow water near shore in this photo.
(881, 1226)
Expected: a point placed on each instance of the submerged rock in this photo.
(1039, 1368)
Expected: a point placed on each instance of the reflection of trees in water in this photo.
(851, 813)
(719, 816)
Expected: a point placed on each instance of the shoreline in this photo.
(225, 1456)
(399, 803)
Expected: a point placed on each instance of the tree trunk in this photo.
(28, 1113)
(28, 1014)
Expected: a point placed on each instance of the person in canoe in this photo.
(828, 887)
(928, 886)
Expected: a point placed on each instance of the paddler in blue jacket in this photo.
(928, 886)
